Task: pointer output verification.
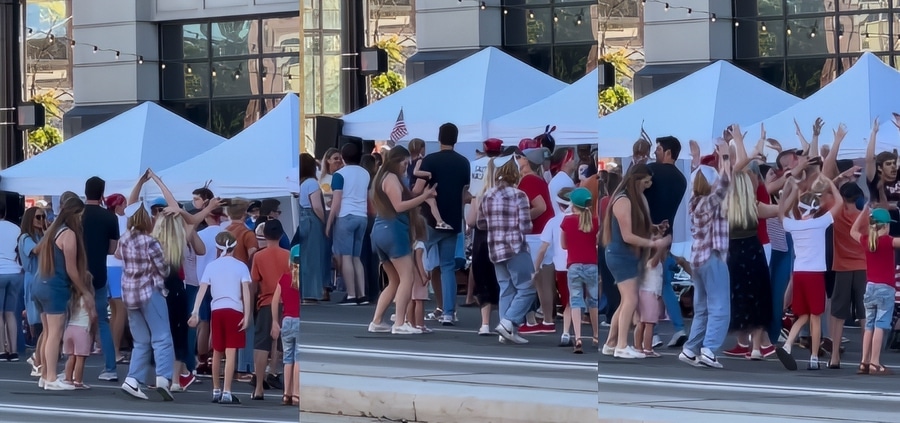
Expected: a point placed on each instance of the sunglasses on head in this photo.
(39, 217)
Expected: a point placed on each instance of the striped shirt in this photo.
(506, 216)
(709, 223)
(777, 236)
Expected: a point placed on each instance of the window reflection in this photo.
(228, 118)
(281, 35)
(233, 38)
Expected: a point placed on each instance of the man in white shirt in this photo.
(562, 164)
(349, 219)
(479, 167)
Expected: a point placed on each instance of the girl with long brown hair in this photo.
(62, 266)
(34, 222)
(395, 209)
(628, 241)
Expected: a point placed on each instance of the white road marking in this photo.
(446, 358)
(118, 414)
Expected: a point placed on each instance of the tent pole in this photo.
(302, 79)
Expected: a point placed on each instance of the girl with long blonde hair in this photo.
(485, 290)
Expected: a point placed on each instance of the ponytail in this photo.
(874, 228)
(585, 219)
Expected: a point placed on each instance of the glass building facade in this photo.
(802, 45)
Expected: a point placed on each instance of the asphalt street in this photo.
(22, 402)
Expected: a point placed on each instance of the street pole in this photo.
(302, 81)
(12, 141)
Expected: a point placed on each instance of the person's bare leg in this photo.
(485, 315)
(547, 293)
(595, 321)
(39, 350)
(275, 358)
(420, 313)
(576, 322)
(756, 340)
(628, 292)
(877, 343)
(836, 327)
(639, 336)
(648, 336)
(43, 349)
(260, 358)
(436, 287)
(470, 287)
(613, 335)
(217, 370)
(230, 361)
(12, 338)
(117, 323)
(388, 294)
(78, 374)
(349, 276)
(567, 319)
(815, 331)
(795, 331)
(359, 277)
(404, 267)
(70, 368)
(54, 328)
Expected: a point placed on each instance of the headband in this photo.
(808, 209)
(227, 246)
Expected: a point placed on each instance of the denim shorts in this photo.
(290, 335)
(623, 265)
(11, 286)
(390, 240)
(348, 233)
(114, 282)
(51, 297)
(584, 286)
(879, 302)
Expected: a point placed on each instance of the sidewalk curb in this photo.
(441, 402)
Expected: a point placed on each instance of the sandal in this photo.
(578, 348)
(285, 400)
(296, 400)
(834, 366)
(80, 385)
(863, 369)
(443, 226)
(651, 353)
(879, 370)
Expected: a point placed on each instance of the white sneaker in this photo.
(35, 371)
(379, 327)
(625, 353)
(133, 387)
(656, 341)
(518, 339)
(756, 355)
(689, 359)
(58, 385)
(607, 350)
(41, 383)
(636, 353)
(176, 387)
(678, 339)
(484, 330)
(393, 317)
(30, 360)
(405, 329)
(162, 387)
(708, 359)
(502, 340)
(505, 329)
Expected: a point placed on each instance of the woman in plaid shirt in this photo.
(505, 214)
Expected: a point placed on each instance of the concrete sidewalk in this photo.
(419, 387)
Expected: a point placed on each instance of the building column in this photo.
(112, 25)
(677, 43)
(12, 141)
(448, 31)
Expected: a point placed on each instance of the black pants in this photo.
(610, 290)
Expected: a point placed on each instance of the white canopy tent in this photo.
(470, 93)
(699, 107)
(865, 91)
(119, 151)
(253, 164)
(573, 110)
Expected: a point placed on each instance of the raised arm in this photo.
(740, 150)
(814, 144)
(861, 222)
(829, 166)
(135, 194)
(836, 194)
(870, 149)
(804, 145)
(787, 198)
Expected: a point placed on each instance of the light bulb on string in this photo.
(667, 7)
(189, 69)
(712, 17)
(72, 43)
(789, 30)
(505, 11)
(140, 60)
(555, 17)
(689, 11)
(117, 54)
(96, 49)
(214, 74)
(812, 33)
(764, 29)
(483, 6)
(237, 74)
(531, 14)
(737, 24)
(162, 66)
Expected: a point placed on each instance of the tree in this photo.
(391, 81)
(42, 139)
(617, 96)
(384, 16)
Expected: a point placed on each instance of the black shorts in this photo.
(262, 334)
(847, 300)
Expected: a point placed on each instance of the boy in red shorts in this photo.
(228, 280)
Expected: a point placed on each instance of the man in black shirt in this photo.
(664, 198)
(450, 171)
(101, 237)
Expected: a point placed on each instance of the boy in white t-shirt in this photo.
(228, 279)
(551, 237)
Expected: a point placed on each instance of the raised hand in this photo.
(875, 124)
(817, 127)
(774, 145)
(840, 133)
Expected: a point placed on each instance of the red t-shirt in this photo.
(534, 186)
(290, 297)
(581, 247)
(762, 195)
(880, 263)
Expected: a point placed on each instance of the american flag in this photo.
(399, 130)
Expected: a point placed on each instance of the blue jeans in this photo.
(516, 287)
(101, 299)
(245, 355)
(191, 360)
(712, 306)
(673, 305)
(446, 247)
(780, 273)
(150, 329)
(290, 335)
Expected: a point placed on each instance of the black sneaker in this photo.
(229, 398)
(362, 301)
(13, 357)
(275, 382)
(349, 301)
(4, 357)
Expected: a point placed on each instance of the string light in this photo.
(117, 54)
(788, 30)
(483, 6)
(667, 7)
(140, 60)
(764, 29)
(689, 11)
(52, 38)
(531, 14)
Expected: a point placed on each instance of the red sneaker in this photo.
(547, 327)
(186, 381)
(738, 351)
(530, 330)
(767, 351)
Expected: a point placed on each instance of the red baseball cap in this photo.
(492, 147)
(528, 143)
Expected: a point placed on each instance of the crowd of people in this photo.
(174, 293)
(781, 253)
